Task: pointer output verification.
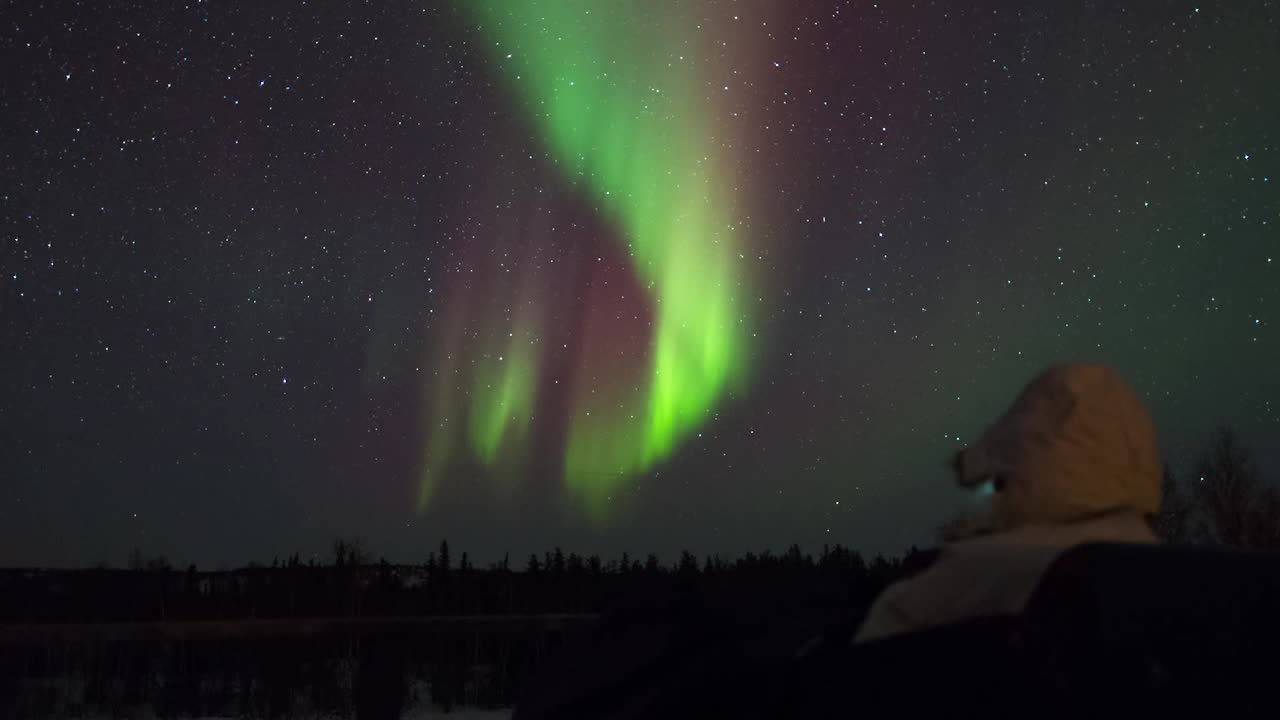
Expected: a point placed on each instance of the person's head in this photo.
(1077, 442)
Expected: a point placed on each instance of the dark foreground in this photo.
(363, 641)
(1112, 630)
(1133, 631)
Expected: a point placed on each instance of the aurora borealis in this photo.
(627, 129)
(631, 275)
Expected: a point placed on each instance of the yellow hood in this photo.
(1076, 442)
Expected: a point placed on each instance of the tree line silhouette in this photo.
(352, 585)
(1223, 499)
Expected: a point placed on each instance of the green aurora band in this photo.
(612, 90)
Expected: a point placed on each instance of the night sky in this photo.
(629, 275)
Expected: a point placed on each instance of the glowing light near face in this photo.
(615, 95)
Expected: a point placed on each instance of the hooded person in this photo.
(1072, 461)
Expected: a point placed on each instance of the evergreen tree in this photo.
(443, 559)
(688, 564)
(651, 565)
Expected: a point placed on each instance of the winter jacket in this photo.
(1073, 460)
(989, 576)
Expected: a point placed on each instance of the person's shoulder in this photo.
(892, 612)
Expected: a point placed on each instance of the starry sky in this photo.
(612, 275)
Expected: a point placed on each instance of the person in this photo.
(1074, 460)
